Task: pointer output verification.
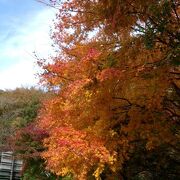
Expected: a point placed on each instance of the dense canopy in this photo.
(116, 84)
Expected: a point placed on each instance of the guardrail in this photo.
(10, 167)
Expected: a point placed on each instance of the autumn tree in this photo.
(115, 81)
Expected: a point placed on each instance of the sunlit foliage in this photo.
(115, 79)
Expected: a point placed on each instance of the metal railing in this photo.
(10, 167)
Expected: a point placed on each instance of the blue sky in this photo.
(24, 28)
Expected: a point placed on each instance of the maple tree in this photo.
(115, 81)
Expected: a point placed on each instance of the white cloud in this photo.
(18, 75)
(32, 36)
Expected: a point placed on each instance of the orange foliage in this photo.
(109, 87)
